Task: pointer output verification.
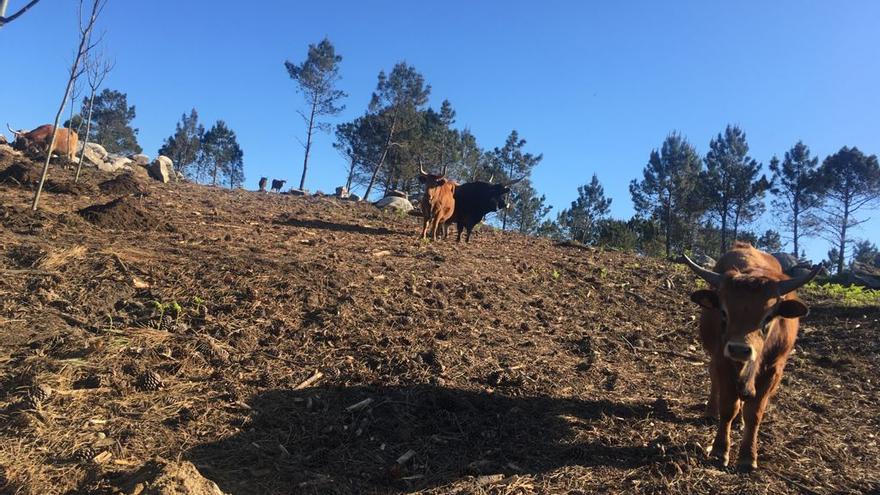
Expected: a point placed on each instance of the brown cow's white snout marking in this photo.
(739, 352)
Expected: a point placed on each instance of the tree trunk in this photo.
(381, 162)
(350, 178)
(86, 141)
(214, 175)
(842, 245)
(795, 221)
(669, 225)
(302, 181)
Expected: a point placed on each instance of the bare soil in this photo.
(311, 345)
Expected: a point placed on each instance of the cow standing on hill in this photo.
(40, 138)
(473, 200)
(438, 202)
(277, 185)
(748, 325)
(263, 182)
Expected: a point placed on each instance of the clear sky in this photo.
(594, 86)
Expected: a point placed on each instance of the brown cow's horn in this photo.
(11, 130)
(714, 279)
(512, 182)
(793, 284)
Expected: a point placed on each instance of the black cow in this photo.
(263, 182)
(277, 184)
(473, 200)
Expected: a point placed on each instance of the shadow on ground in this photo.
(308, 441)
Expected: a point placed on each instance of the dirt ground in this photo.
(309, 345)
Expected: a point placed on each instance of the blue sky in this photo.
(594, 86)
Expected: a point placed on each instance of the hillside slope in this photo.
(509, 365)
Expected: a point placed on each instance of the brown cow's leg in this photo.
(753, 413)
(728, 407)
(712, 403)
(425, 228)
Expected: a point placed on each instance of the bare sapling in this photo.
(97, 67)
(85, 45)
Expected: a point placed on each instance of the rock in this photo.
(161, 477)
(299, 192)
(788, 261)
(353, 197)
(867, 275)
(162, 169)
(394, 203)
(9, 150)
(3, 139)
(138, 171)
(704, 260)
(118, 162)
(342, 192)
(397, 194)
(141, 159)
(95, 153)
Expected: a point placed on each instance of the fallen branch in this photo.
(310, 381)
(671, 353)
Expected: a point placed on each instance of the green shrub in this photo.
(853, 295)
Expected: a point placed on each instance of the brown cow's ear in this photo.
(792, 308)
(706, 298)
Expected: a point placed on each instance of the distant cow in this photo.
(748, 325)
(473, 200)
(277, 184)
(438, 202)
(40, 138)
(263, 182)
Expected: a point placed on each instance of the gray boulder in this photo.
(704, 260)
(394, 203)
(162, 169)
(299, 192)
(867, 275)
(397, 194)
(353, 197)
(788, 261)
(141, 159)
(3, 139)
(94, 154)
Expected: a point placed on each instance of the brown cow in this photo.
(748, 325)
(40, 138)
(438, 202)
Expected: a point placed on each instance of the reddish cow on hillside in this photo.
(65, 143)
(748, 325)
(438, 202)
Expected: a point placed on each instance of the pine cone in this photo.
(150, 381)
(211, 350)
(85, 454)
(40, 393)
(168, 323)
(90, 381)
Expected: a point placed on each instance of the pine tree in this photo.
(730, 183)
(848, 181)
(222, 157)
(770, 241)
(316, 78)
(669, 190)
(513, 163)
(394, 109)
(795, 188)
(184, 146)
(580, 222)
(111, 117)
(529, 209)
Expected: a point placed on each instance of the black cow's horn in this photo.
(11, 130)
(793, 284)
(512, 182)
(712, 278)
(491, 178)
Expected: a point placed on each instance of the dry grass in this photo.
(509, 366)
